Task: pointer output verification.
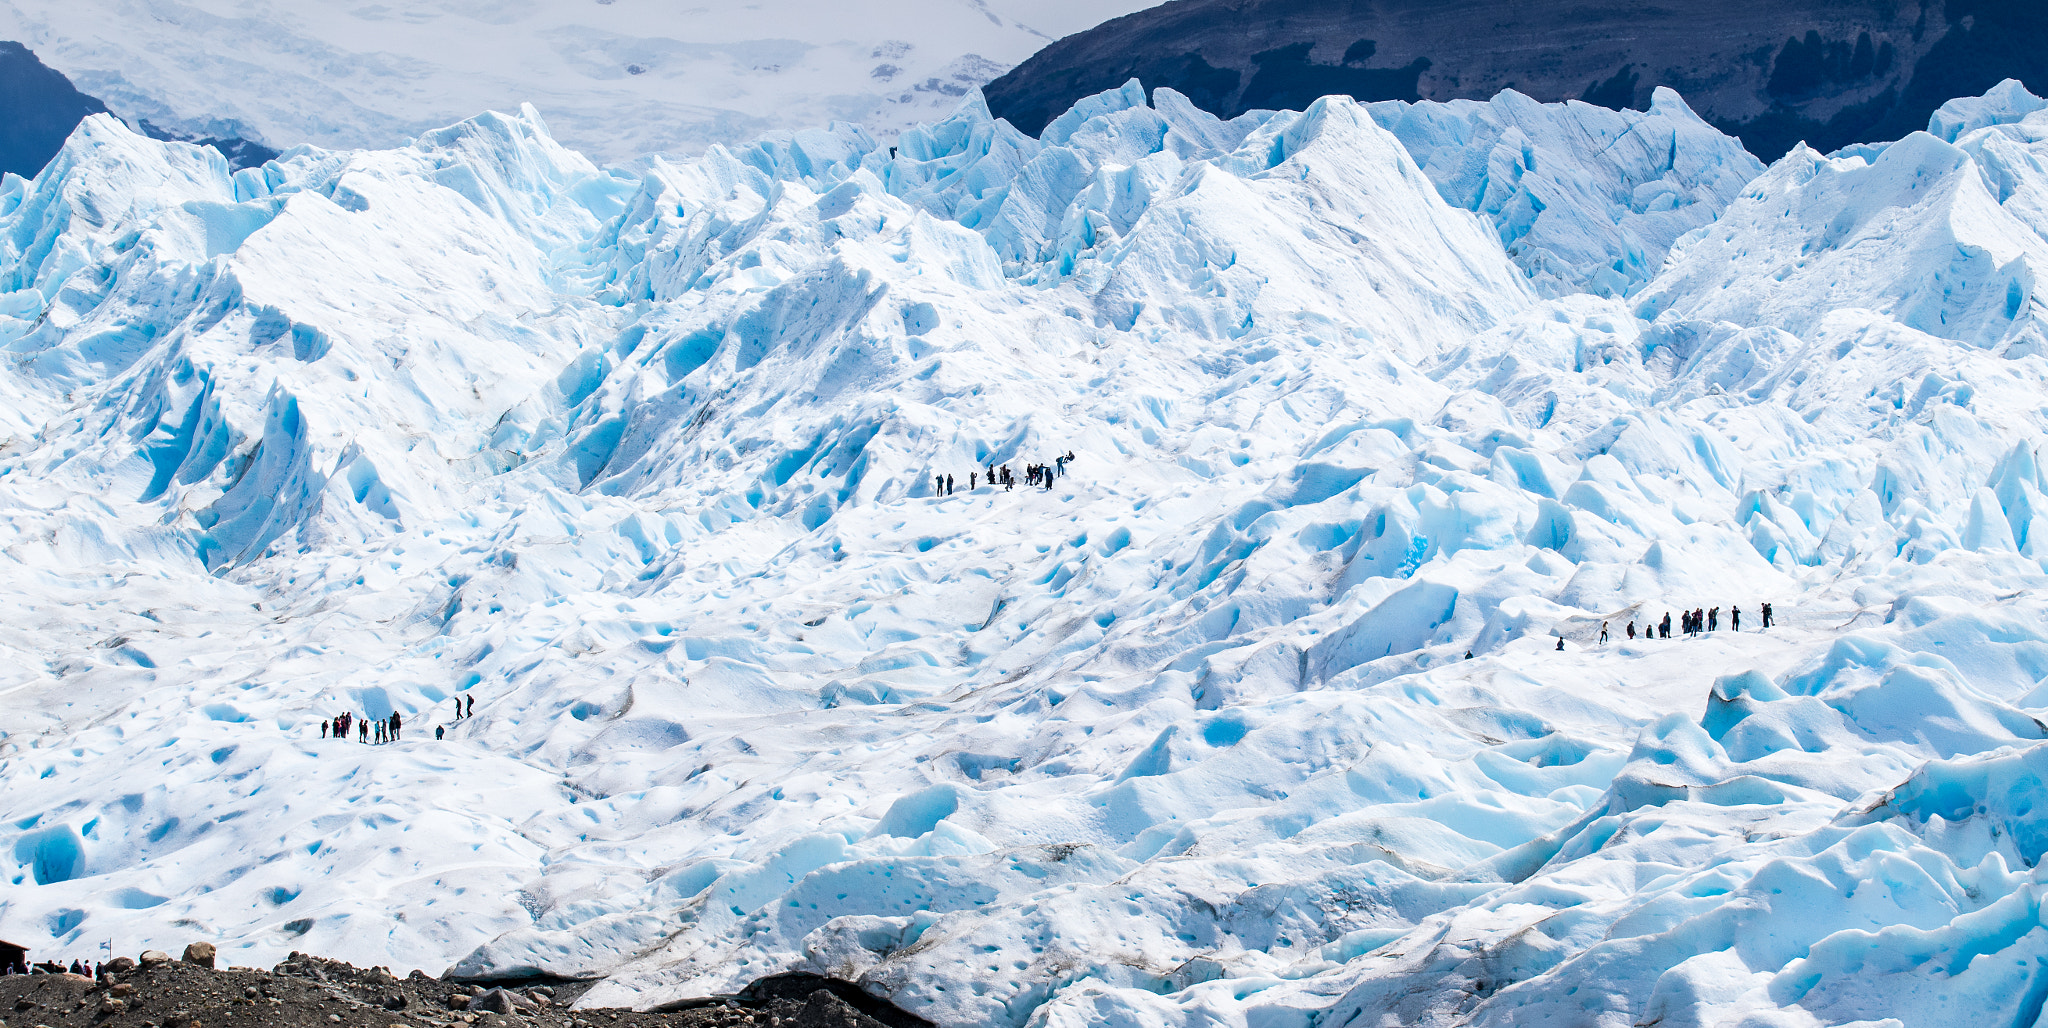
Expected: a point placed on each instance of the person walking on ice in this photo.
(1735, 619)
(1767, 615)
(1603, 631)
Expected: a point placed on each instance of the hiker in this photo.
(437, 733)
(323, 729)
(396, 724)
(1699, 621)
(1603, 631)
(1713, 619)
(938, 485)
(458, 707)
(472, 707)
(362, 731)
(1008, 482)
(949, 484)
(1631, 631)
(1767, 615)
(1046, 477)
(1735, 619)
(1560, 644)
(970, 481)
(1666, 627)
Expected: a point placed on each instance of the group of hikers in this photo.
(1035, 475)
(377, 730)
(1690, 622)
(382, 730)
(77, 967)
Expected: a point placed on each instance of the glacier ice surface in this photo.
(1259, 717)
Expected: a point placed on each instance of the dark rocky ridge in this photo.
(39, 107)
(308, 992)
(1770, 72)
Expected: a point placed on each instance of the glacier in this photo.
(618, 80)
(1287, 705)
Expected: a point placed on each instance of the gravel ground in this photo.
(308, 992)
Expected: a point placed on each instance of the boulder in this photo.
(200, 954)
(155, 958)
(120, 965)
(499, 1001)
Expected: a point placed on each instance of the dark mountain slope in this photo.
(38, 110)
(39, 107)
(1772, 72)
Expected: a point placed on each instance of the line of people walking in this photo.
(1038, 476)
(1697, 621)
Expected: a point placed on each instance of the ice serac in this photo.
(1289, 703)
(1585, 199)
(1941, 236)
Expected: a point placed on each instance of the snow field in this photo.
(643, 463)
(621, 80)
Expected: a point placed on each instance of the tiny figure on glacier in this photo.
(949, 484)
(1666, 627)
(397, 726)
(472, 707)
(938, 485)
(1560, 644)
(458, 707)
(970, 481)
(1603, 631)
(1767, 615)
(1699, 621)
(1468, 654)
(1009, 481)
(437, 733)
(1713, 619)
(323, 728)
(1735, 619)
(362, 732)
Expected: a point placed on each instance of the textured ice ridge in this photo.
(1257, 718)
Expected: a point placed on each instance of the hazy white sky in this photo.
(615, 78)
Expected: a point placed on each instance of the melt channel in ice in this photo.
(643, 465)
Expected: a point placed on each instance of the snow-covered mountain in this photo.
(617, 78)
(1258, 716)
